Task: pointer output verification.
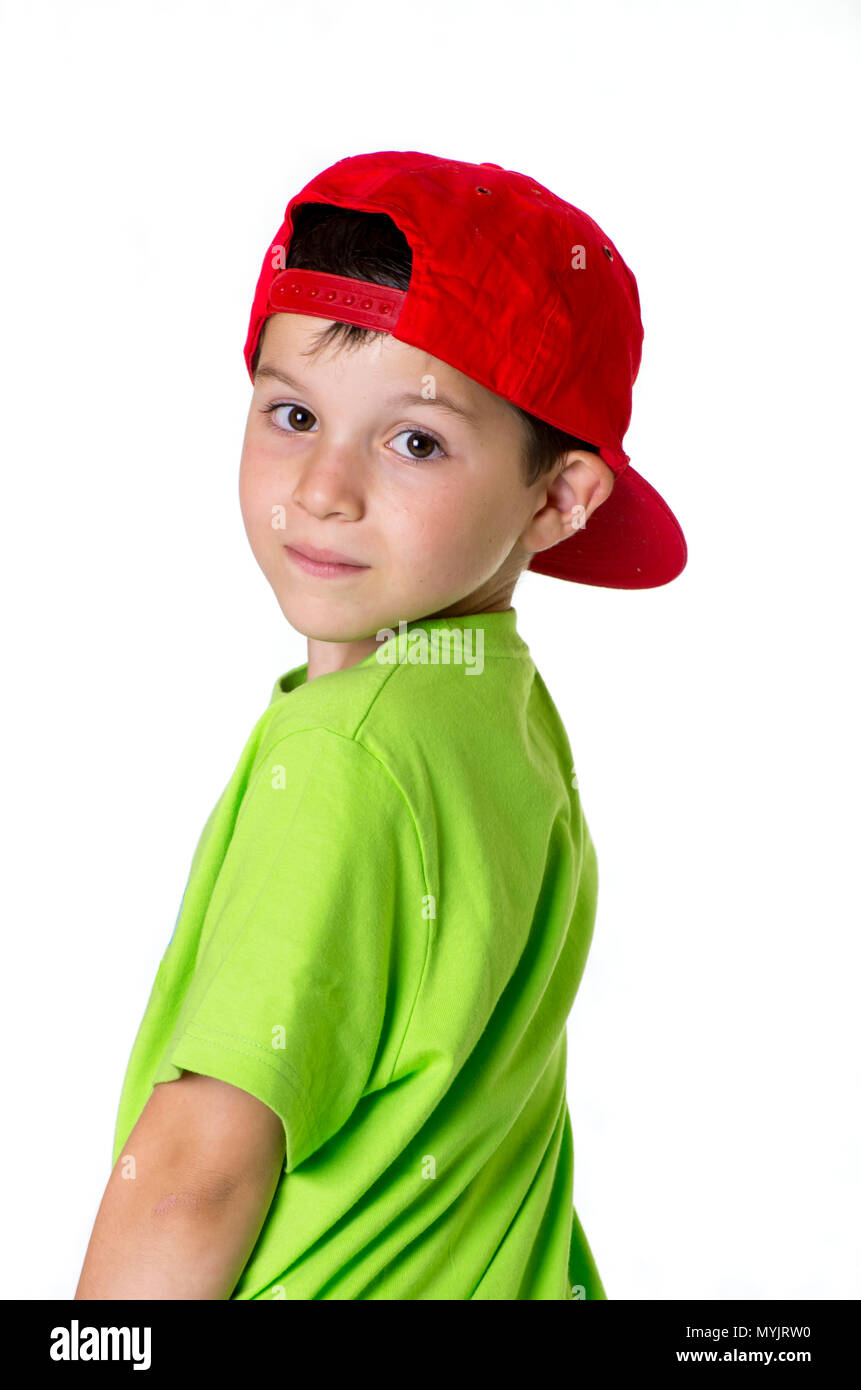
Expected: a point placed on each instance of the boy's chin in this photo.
(318, 625)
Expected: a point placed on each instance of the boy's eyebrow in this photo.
(443, 401)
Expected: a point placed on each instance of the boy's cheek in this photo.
(262, 502)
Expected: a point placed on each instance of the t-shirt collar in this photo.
(500, 638)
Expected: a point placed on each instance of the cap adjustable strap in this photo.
(336, 297)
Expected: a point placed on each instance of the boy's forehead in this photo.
(289, 336)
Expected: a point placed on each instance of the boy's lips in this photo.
(326, 557)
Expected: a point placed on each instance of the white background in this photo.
(150, 151)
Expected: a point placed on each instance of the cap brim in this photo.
(632, 541)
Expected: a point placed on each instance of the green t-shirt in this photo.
(385, 923)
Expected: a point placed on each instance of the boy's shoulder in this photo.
(420, 741)
(387, 704)
(424, 671)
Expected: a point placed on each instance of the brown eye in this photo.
(422, 451)
(426, 444)
(296, 418)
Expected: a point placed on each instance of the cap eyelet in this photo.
(479, 189)
(607, 252)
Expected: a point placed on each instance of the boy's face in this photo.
(430, 507)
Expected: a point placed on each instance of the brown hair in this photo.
(369, 246)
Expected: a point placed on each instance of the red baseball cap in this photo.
(523, 293)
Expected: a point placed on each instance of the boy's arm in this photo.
(207, 1159)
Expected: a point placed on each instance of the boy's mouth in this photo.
(322, 562)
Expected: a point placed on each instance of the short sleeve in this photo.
(290, 993)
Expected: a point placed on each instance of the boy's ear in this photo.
(584, 480)
(581, 480)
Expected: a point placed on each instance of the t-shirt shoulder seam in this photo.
(396, 666)
(356, 742)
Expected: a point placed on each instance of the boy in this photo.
(350, 1078)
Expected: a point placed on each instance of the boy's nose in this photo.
(328, 481)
